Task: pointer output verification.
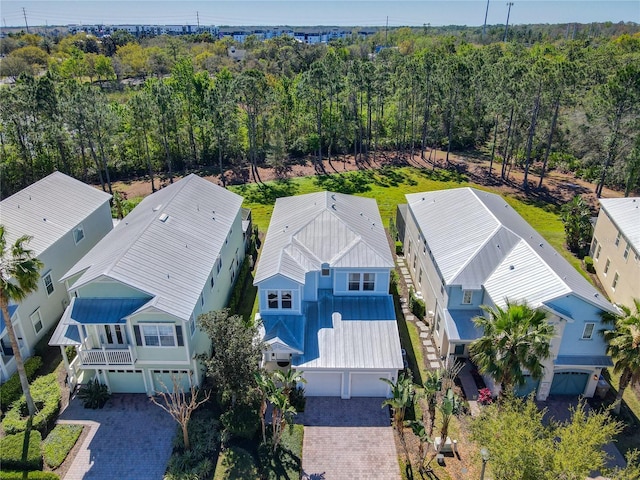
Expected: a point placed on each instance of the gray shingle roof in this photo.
(325, 227)
(625, 213)
(170, 260)
(478, 239)
(49, 209)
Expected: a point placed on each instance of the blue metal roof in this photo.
(288, 328)
(467, 330)
(12, 310)
(586, 360)
(105, 310)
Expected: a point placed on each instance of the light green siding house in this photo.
(136, 296)
(65, 218)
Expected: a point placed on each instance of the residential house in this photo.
(466, 248)
(323, 289)
(136, 296)
(65, 219)
(615, 248)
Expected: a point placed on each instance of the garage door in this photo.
(126, 381)
(163, 380)
(369, 385)
(569, 383)
(322, 384)
(530, 385)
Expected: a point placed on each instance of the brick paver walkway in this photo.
(348, 439)
(130, 438)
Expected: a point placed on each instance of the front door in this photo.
(114, 336)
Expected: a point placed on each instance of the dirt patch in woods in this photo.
(558, 187)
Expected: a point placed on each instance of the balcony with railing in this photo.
(106, 356)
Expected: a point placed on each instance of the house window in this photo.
(78, 234)
(36, 319)
(415, 259)
(420, 277)
(213, 281)
(280, 299)
(459, 349)
(192, 325)
(201, 300)
(606, 266)
(616, 277)
(594, 247)
(617, 242)
(48, 283)
(354, 281)
(598, 252)
(158, 335)
(408, 248)
(325, 269)
(424, 246)
(587, 333)
(467, 297)
(365, 282)
(437, 324)
(625, 255)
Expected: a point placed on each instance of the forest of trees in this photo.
(117, 107)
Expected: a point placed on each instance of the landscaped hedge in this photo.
(11, 390)
(34, 475)
(238, 289)
(46, 395)
(59, 443)
(11, 452)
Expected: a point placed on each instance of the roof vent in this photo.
(511, 267)
(541, 245)
(44, 219)
(157, 207)
(163, 218)
(333, 196)
(596, 294)
(333, 205)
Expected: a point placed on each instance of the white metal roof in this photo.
(476, 237)
(49, 209)
(306, 231)
(625, 214)
(170, 260)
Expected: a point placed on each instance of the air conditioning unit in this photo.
(430, 315)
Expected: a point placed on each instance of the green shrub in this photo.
(394, 278)
(59, 443)
(238, 289)
(297, 399)
(196, 463)
(11, 390)
(241, 420)
(11, 452)
(399, 248)
(588, 264)
(34, 475)
(46, 394)
(93, 394)
(416, 305)
(70, 352)
(235, 462)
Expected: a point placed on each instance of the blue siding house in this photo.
(466, 248)
(323, 286)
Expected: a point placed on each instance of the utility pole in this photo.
(386, 31)
(24, 12)
(506, 28)
(484, 27)
(198, 18)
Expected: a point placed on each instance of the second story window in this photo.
(467, 297)
(616, 277)
(362, 282)
(617, 242)
(598, 252)
(280, 299)
(36, 320)
(587, 333)
(606, 266)
(48, 283)
(325, 269)
(625, 255)
(158, 335)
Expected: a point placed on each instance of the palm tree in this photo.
(402, 396)
(624, 348)
(19, 275)
(289, 380)
(515, 338)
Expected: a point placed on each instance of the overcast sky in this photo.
(315, 12)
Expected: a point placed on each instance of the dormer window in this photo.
(325, 270)
(467, 297)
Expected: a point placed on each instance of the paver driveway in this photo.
(348, 439)
(130, 438)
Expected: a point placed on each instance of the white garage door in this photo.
(369, 384)
(126, 381)
(323, 384)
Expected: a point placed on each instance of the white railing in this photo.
(107, 356)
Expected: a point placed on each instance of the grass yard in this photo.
(629, 439)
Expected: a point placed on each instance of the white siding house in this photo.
(466, 248)
(65, 218)
(136, 296)
(323, 287)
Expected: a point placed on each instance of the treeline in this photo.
(571, 104)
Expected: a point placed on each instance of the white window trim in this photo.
(616, 280)
(37, 311)
(361, 281)
(584, 330)
(607, 266)
(81, 228)
(53, 287)
(279, 299)
(627, 250)
(156, 325)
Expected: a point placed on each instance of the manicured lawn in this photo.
(629, 439)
